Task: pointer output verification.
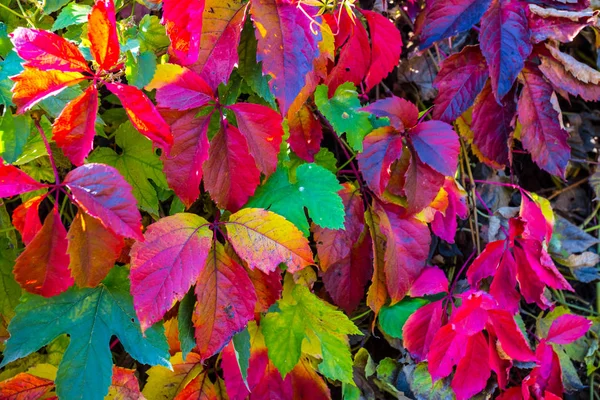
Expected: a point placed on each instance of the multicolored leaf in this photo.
(102, 34)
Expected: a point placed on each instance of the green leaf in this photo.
(140, 69)
(422, 386)
(151, 34)
(241, 345)
(249, 69)
(393, 318)
(90, 317)
(315, 188)
(35, 148)
(10, 66)
(184, 323)
(72, 14)
(10, 291)
(137, 163)
(5, 44)
(54, 5)
(54, 105)
(14, 131)
(342, 112)
(303, 316)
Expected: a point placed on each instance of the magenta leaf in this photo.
(568, 328)
(13, 181)
(437, 146)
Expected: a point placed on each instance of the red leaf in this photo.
(436, 145)
(402, 113)
(183, 165)
(334, 245)
(103, 193)
(547, 378)
(550, 23)
(472, 315)
(226, 301)
(286, 47)
(563, 80)
(568, 328)
(183, 23)
(542, 265)
(505, 43)
(387, 46)
(167, 263)
(499, 364)
(461, 78)
(125, 383)
(102, 34)
(407, 249)
(261, 126)
(143, 115)
(45, 50)
(536, 225)
(486, 263)
(74, 129)
(32, 86)
(446, 350)
(345, 280)
(268, 288)
(539, 114)
(231, 175)
(421, 185)
(532, 289)
(26, 218)
(200, 388)
(221, 30)
(445, 225)
(187, 91)
(446, 18)
(92, 249)
(431, 281)
(510, 336)
(492, 124)
(473, 370)
(503, 286)
(354, 56)
(306, 133)
(43, 267)
(13, 181)
(420, 328)
(307, 384)
(25, 386)
(382, 147)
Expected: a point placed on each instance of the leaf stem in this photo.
(13, 11)
(361, 315)
(43, 135)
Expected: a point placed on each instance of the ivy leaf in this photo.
(264, 240)
(305, 316)
(90, 317)
(286, 47)
(72, 14)
(342, 111)
(137, 163)
(314, 188)
(180, 242)
(103, 193)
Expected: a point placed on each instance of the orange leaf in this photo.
(102, 33)
(125, 385)
(26, 218)
(93, 250)
(24, 386)
(33, 85)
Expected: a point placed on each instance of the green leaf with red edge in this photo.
(167, 263)
(183, 22)
(102, 34)
(539, 114)
(25, 386)
(103, 193)
(43, 267)
(264, 240)
(44, 50)
(74, 129)
(226, 301)
(143, 114)
(286, 46)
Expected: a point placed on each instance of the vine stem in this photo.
(43, 135)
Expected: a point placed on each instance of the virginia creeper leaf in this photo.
(43, 267)
(437, 146)
(13, 181)
(26, 218)
(314, 188)
(25, 386)
(184, 91)
(383, 146)
(166, 383)
(183, 23)
(306, 134)
(124, 384)
(264, 240)
(103, 193)
(473, 370)
(567, 328)
(90, 317)
(167, 263)
(72, 14)
(420, 328)
(102, 34)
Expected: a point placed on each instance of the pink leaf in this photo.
(461, 78)
(431, 281)
(103, 193)
(45, 50)
(306, 133)
(402, 113)
(486, 263)
(185, 92)
(568, 328)
(473, 370)
(26, 218)
(510, 336)
(445, 225)
(505, 43)
(183, 23)
(167, 263)
(420, 328)
(387, 46)
(381, 148)
(446, 350)
(503, 287)
(13, 181)
(550, 23)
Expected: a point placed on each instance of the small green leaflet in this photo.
(314, 188)
(137, 163)
(53, 5)
(72, 14)
(10, 291)
(393, 318)
(14, 131)
(11, 65)
(140, 68)
(304, 316)
(241, 345)
(90, 317)
(151, 34)
(184, 323)
(342, 112)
